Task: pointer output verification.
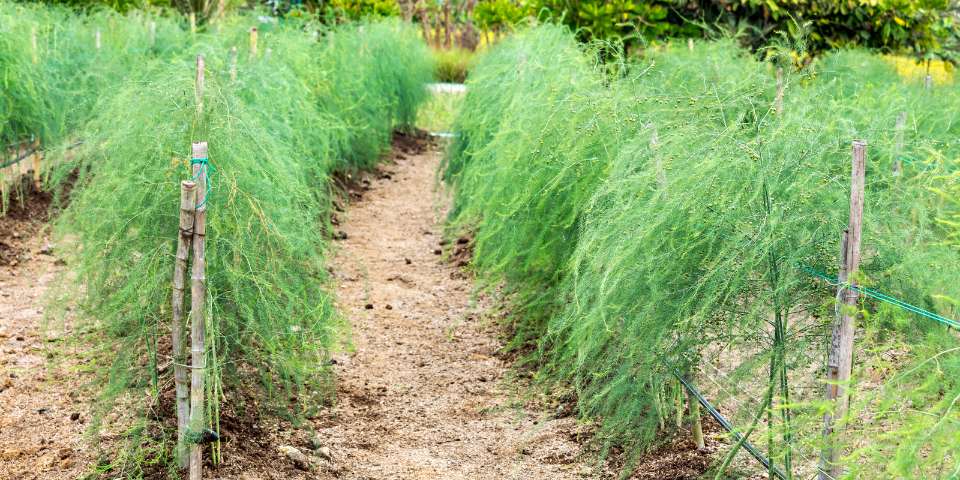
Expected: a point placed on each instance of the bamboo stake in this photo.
(153, 33)
(198, 91)
(198, 292)
(37, 161)
(778, 102)
(840, 360)
(188, 206)
(690, 44)
(253, 42)
(898, 141)
(34, 52)
(233, 64)
(96, 39)
(928, 82)
(658, 164)
(198, 296)
(193, 23)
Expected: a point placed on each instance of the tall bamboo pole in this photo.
(198, 296)
(34, 52)
(898, 142)
(188, 207)
(37, 164)
(198, 90)
(198, 292)
(840, 360)
(233, 64)
(778, 101)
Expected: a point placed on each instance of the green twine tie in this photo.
(207, 168)
(883, 297)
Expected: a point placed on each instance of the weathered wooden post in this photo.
(34, 51)
(233, 63)
(37, 164)
(96, 39)
(898, 142)
(198, 90)
(198, 296)
(198, 292)
(840, 359)
(188, 207)
(253, 42)
(658, 163)
(778, 101)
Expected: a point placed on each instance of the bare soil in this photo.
(422, 393)
(44, 402)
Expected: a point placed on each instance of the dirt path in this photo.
(43, 404)
(423, 395)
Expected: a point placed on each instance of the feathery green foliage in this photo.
(656, 221)
(292, 117)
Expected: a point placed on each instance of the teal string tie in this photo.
(883, 297)
(205, 168)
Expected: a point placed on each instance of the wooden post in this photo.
(658, 164)
(840, 359)
(778, 102)
(898, 142)
(233, 64)
(253, 42)
(198, 90)
(193, 23)
(34, 52)
(188, 207)
(928, 82)
(96, 39)
(690, 44)
(198, 296)
(37, 164)
(152, 28)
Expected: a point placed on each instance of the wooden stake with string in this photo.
(898, 142)
(198, 294)
(188, 207)
(778, 101)
(34, 52)
(840, 359)
(37, 164)
(233, 63)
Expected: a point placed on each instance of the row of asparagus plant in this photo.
(660, 216)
